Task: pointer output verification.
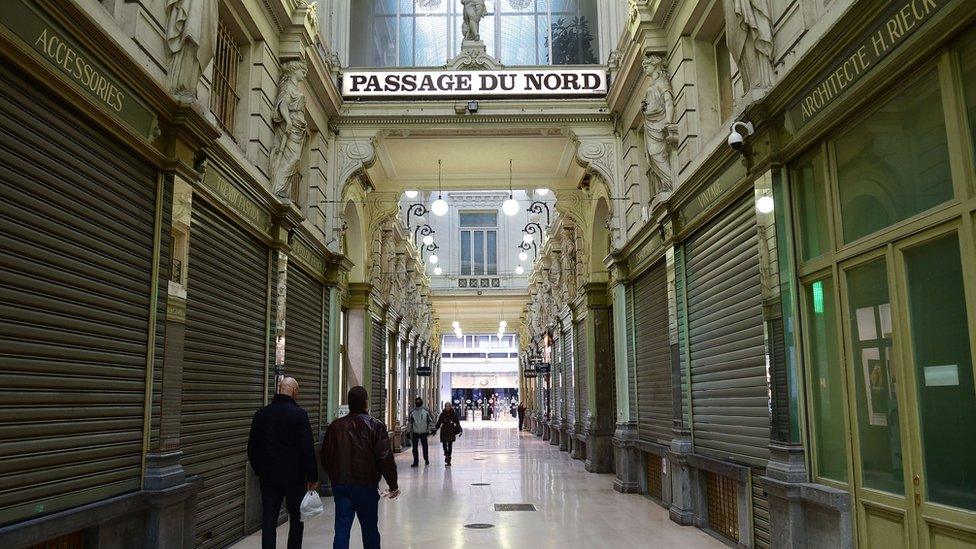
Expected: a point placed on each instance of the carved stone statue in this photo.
(388, 259)
(474, 10)
(399, 282)
(568, 245)
(375, 263)
(660, 132)
(749, 34)
(290, 129)
(191, 35)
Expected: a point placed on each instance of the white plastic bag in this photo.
(311, 506)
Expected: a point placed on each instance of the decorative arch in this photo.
(354, 235)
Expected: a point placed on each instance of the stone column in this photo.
(357, 337)
(626, 456)
(600, 425)
(683, 486)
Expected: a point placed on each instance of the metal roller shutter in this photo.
(304, 342)
(223, 367)
(653, 356)
(569, 376)
(730, 395)
(377, 390)
(77, 215)
(582, 376)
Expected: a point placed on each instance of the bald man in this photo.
(281, 453)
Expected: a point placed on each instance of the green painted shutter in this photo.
(305, 342)
(730, 394)
(377, 390)
(582, 367)
(77, 213)
(223, 367)
(655, 409)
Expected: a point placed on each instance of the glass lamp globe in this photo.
(433, 259)
(535, 218)
(438, 271)
(411, 194)
(527, 238)
(519, 270)
(502, 325)
(456, 325)
(542, 192)
(765, 204)
(510, 206)
(428, 240)
(523, 256)
(439, 207)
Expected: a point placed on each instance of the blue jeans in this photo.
(352, 500)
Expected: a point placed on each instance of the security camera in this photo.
(736, 139)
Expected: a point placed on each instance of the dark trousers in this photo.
(422, 438)
(448, 447)
(356, 500)
(521, 421)
(271, 497)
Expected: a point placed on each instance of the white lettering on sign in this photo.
(472, 85)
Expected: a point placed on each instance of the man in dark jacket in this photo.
(356, 454)
(450, 427)
(282, 455)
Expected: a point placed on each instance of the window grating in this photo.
(655, 488)
(227, 60)
(723, 512)
(74, 540)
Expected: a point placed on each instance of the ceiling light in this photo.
(502, 325)
(523, 256)
(411, 194)
(438, 271)
(456, 324)
(527, 238)
(542, 192)
(428, 240)
(439, 207)
(765, 204)
(510, 207)
(433, 259)
(519, 270)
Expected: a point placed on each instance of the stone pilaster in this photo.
(628, 459)
(682, 508)
(600, 425)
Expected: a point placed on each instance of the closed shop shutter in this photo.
(730, 395)
(76, 244)
(581, 369)
(653, 356)
(556, 372)
(304, 342)
(569, 376)
(760, 511)
(223, 367)
(377, 390)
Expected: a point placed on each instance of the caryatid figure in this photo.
(474, 10)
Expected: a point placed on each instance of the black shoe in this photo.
(413, 465)
(426, 462)
(448, 464)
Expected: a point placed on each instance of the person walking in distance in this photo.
(356, 454)
(282, 455)
(450, 428)
(420, 422)
(521, 414)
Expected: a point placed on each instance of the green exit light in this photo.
(818, 297)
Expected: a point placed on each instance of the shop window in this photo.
(966, 47)
(826, 380)
(479, 243)
(422, 33)
(894, 163)
(226, 64)
(723, 70)
(810, 189)
(875, 381)
(943, 370)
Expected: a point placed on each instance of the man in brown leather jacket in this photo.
(356, 454)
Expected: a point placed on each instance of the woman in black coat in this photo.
(450, 428)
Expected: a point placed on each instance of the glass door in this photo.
(909, 345)
(940, 385)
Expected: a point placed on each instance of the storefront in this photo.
(883, 207)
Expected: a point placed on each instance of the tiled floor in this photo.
(575, 508)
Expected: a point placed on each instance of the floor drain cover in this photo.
(481, 484)
(479, 459)
(479, 526)
(514, 507)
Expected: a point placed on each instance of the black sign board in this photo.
(424, 371)
(539, 366)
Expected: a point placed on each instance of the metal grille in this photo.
(223, 96)
(723, 512)
(655, 487)
(582, 370)
(377, 392)
(760, 511)
(652, 359)
(305, 344)
(75, 540)
(514, 507)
